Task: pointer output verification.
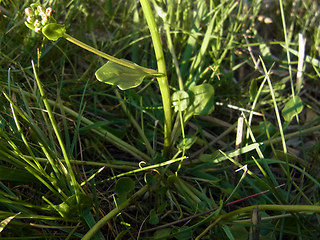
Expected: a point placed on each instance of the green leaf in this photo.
(184, 233)
(267, 126)
(292, 108)
(162, 233)
(71, 208)
(228, 232)
(253, 89)
(186, 143)
(121, 76)
(124, 186)
(29, 25)
(162, 207)
(89, 219)
(180, 100)
(172, 179)
(54, 31)
(16, 175)
(154, 219)
(202, 100)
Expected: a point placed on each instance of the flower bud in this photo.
(28, 11)
(49, 11)
(44, 20)
(37, 29)
(37, 23)
(40, 8)
(29, 19)
(42, 14)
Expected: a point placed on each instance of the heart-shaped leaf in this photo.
(180, 100)
(154, 219)
(124, 186)
(186, 143)
(54, 31)
(292, 108)
(202, 100)
(121, 76)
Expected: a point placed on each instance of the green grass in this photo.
(81, 159)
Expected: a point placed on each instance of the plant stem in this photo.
(163, 80)
(109, 57)
(264, 207)
(90, 234)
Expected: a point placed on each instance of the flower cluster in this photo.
(37, 17)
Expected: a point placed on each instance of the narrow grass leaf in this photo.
(89, 219)
(6, 221)
(228, 232)
(15, 175)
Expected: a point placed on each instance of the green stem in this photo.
(163, 81)
(109, 57)
(90, 234)
(265, 207)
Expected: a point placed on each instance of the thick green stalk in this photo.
(163, 81)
